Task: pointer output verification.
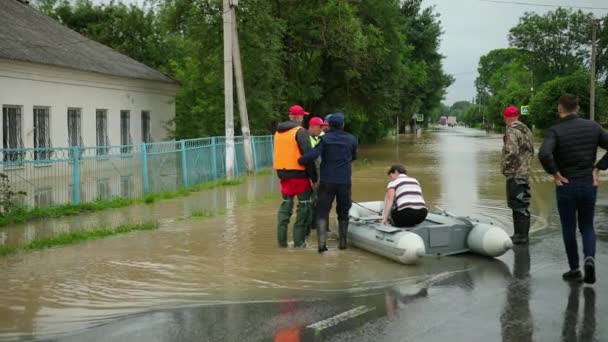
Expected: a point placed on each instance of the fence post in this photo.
(272, 149)
(76, 175)
(144, 156)
(254, 151)
(184, 164)
(236, 162)
(214, 157)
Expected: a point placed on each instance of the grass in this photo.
(264, 172)
(202, 214)
(7, 250)
(76, 237)
(23, 215)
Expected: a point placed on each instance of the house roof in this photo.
(30, 36)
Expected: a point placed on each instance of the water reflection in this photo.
(516, 320)
(458, 165)
(587, 331)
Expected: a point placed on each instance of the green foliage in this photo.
(558, 41)
(549, 53)
(7, 196)
(71, 238)
(202, 213)
(79, 236)
(544, 105)
(373, 60)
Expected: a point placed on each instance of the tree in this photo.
(373, 60)
(558, 42)
(543, 109)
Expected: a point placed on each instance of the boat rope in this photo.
(364, 207)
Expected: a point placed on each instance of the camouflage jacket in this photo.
(517, 151)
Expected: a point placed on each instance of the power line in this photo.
(544, 5)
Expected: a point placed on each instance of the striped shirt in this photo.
(408, 193)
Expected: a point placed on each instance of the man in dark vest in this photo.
(569, 153)
(291, 141)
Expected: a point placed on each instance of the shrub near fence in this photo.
(47, 176)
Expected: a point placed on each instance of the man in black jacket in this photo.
(569, 153)
(337, 149)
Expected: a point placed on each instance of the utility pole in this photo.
(228, 91)
(240, 91)
(595, 23)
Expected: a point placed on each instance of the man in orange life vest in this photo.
(291, 141)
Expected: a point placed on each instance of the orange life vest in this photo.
(286, 150)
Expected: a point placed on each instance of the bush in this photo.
(543, 108)
(7, 195)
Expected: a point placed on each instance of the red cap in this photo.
(297, 110)
(316, 122)
(510, 112)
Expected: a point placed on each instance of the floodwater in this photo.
(224, 279)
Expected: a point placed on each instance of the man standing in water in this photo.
(291, 141)
(517, 153)
(338, 149)
(315, 129)
(569, 153)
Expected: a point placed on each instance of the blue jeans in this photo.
(576, 201)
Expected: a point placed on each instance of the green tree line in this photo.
(549, 55)
(373, 60)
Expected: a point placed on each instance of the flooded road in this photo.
(222, 278)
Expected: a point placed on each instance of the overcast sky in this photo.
(473, 28)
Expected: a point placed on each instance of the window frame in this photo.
(125, 137)
(102, 142)
(45, 152)
(13, 157)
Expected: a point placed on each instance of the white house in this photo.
(61, 89)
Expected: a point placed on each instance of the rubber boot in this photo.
(521, 226)
(322, 235)
(285, 211)
(343, 232)
(302, 223)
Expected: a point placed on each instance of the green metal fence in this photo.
(56, 176)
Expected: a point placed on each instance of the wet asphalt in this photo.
(519, 297)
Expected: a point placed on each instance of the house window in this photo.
(42, 134)
(11, 129)
(125, 131)
(146, 136)
(103, 189)
(126, 186)
(102, 132)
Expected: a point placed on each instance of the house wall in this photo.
(28, 85)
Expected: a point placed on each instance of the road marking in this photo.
(339, 318)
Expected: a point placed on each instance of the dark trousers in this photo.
(576, 203)
(408, 217)
(325, 198)
(518, 195)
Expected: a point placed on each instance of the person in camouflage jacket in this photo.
(517, 153)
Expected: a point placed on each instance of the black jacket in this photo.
(570, 147)
(337, 149)
(303, 139)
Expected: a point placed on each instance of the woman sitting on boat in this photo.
(404, 201)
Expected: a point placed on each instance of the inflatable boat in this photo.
(441, 233)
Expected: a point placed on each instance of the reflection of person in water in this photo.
(587, 332)
(393, 298)
(289, 327)
(516, 320)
